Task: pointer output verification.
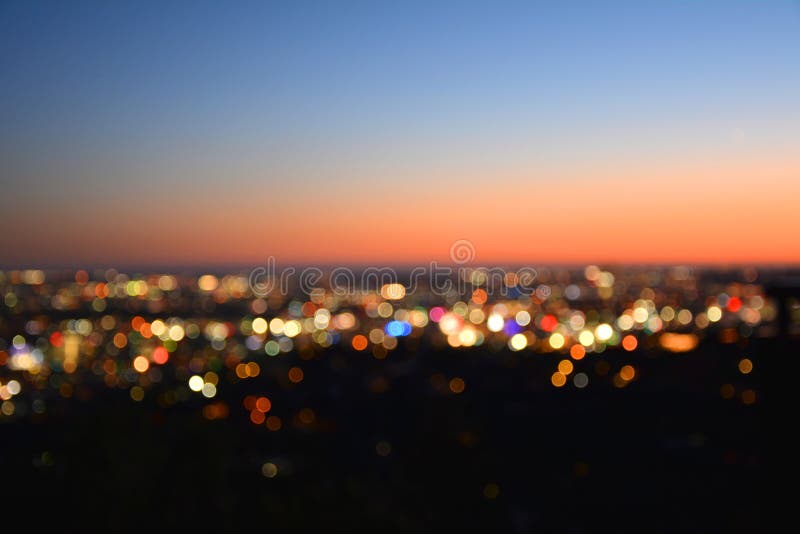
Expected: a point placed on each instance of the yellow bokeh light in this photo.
(260, 325)
(158, 327)
(714, 313)
(13, 387)
(176, 332)
(322, 318)
(385, 310)
(640, 315)
(196, 383)
(625, 322)
(518, 342)
(603, 332)
(450, 323)
(209, 390)
(208, 282)
(393, 291)
(468, 336)
(292, 328)
(376, 335)
(556, 340)
(477, 316)
(276, 326)
(141, 364)
(495, 322)
(523, 318)
(586, 338)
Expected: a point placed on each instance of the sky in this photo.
(188, 133)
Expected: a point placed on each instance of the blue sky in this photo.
(103, 97)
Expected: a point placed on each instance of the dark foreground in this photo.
(388, 449)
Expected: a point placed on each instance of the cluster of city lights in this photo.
(188, 337)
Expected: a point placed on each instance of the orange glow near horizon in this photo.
(714, 214)
(633, 133)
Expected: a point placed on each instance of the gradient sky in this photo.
(204, 132)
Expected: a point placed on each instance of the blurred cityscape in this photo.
(620, 357)
(344, 396)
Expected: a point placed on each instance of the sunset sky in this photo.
(185, 133)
